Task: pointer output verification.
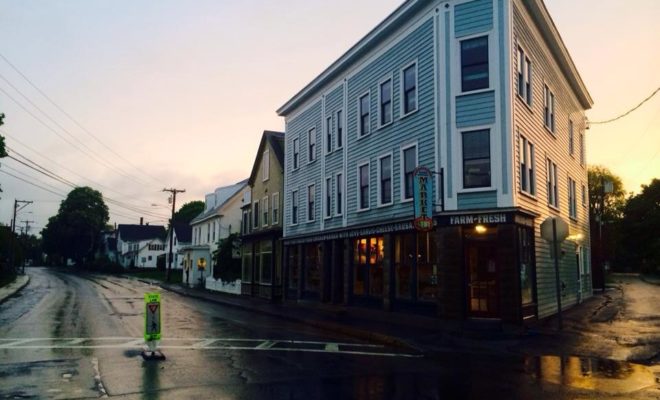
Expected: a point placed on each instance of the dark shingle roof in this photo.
(183, 232)
(134, 233)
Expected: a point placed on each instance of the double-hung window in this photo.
(385, 97)
(311, 144)
(265, 165)
(476, 159)
(294, 207)
(584, 195)
(527, 179)
(364, 124)
(524, 77)
(311, 201)
(385, 180)
(474, 64)
(264, 208)
(409, 156)
(276, 208)
(551, 180)
(571, 139)
(363, 190)
(339, 184)
(409, 88)
(255, 214)
(339, 128)
(548, 109)
(582, 149)
(328, 135)
(572, 199)
(328, 197)
(296, 153)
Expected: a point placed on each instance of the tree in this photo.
(613, 202)
(189, 211)
(226, 265)
(641, 243)
(74, 232)
(3, 151)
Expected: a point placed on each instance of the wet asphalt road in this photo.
(67, 336)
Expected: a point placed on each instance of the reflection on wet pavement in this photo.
(603, 376)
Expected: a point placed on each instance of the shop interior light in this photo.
(480, 229)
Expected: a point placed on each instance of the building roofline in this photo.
(546, 25)
(356, 51)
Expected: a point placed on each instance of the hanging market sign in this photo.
(423, 199)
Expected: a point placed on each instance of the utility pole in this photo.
(27, 230)
(169, 260)
(13, 227)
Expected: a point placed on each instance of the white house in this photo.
(140, 245)
(221, 216)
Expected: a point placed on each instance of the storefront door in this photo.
(482, 277)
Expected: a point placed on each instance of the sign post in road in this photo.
(152, 326)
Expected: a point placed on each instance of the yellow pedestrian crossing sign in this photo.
(151, 316)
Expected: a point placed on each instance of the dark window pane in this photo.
(476, 159)
(474, 64)
(410, 163)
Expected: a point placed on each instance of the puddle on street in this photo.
(604, 376)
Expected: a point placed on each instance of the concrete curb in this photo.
(370, 336)
(14, 287)
(648, 280)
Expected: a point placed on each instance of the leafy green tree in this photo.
(226, 265)
(189, 211)
(641, 223)
(74, 232)
(613, 202)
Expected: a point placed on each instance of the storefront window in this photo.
(404, 253)
(368, 266)
(312, 268)
(266, 252)
(526, 273)
(293, 267)
(247, 263)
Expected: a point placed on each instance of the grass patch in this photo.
(155, 274)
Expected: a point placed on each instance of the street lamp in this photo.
(606, 186)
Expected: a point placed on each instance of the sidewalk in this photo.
(7, 291)
(416, 333)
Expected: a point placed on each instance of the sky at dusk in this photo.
(177, 93)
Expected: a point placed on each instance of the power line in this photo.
(627, 112)
(73, 119)
(31, 183)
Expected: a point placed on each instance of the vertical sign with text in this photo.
(423, 199)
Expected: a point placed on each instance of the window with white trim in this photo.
(276, 208)
(328, 135)
(265, 165)
(363, 186)
(409, 159)
(474, 64)
(339, 184)
(328, 197)
(311, 201)
(572, 199)
(296, 153)
(311, 145)
(584, 195)
(364, 123)
(582, 150)
(476, 159)
(527, 170)
(548, 109)
(551, 183)
(385, 101)
(294, 207)
(264, 208)
(339, 128)
(385, 180)
(409, 89)
(524, 77)
(255, 214)
(571, 138)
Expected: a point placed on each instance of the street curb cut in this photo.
(329, 326)
(17, 289)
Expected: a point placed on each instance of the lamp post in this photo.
(606, 186)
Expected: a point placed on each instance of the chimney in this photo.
(141, 221)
